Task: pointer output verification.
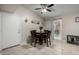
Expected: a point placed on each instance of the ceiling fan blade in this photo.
(49, 10)
(50, 5)
(37, 8)
(43, 5)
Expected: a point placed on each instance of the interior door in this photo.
(57, 29)
(10, 27)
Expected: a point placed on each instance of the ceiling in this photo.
(60, 9)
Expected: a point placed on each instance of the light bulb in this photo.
(44, 10)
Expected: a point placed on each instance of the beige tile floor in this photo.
(57, 48)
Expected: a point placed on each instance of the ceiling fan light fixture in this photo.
(44, 10)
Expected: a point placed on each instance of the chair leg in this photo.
(31, 41)
(35, 42)
(49, 41)
(44, 40)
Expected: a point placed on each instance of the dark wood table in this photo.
(41, 37)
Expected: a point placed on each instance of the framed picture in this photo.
(76, 19)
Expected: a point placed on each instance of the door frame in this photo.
(59, 20)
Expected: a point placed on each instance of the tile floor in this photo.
(57, 48)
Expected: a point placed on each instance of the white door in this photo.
(10, 27)
(57, 29)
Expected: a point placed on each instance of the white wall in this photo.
(70, 27)
(48, 25)
(24, 28)
(25, 13)
(0, 31)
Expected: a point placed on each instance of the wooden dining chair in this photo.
(44, 38)
(33, 36)
(48, 33)
(37, 40)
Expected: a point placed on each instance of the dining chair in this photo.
(48, 33)
(32, 36)
(44, 38)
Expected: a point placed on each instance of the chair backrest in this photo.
(48, 33)
(33, 33)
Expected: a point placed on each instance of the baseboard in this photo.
(11, 47)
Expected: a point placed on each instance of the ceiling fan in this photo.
(45, 8)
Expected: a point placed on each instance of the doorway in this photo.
(57, 29)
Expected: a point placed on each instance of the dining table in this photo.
(41, 37)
